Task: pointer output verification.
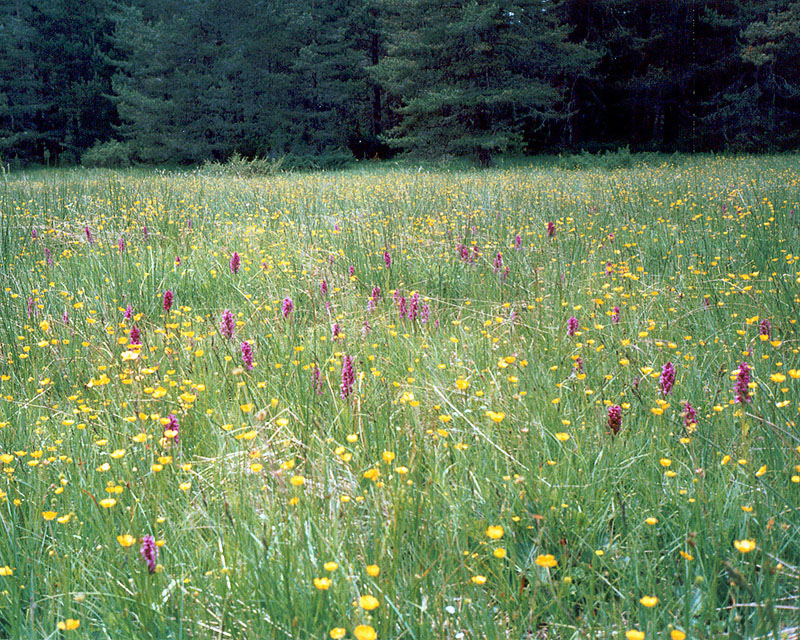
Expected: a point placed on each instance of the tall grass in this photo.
(470, 482)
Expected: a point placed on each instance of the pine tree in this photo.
(472, 75)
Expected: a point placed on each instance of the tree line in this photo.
(188, 81)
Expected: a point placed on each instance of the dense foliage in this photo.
(320, 83)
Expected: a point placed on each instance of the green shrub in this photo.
(109, 155)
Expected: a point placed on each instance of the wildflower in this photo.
(744, 546)
(364, 632)
(376, 293)
(65, 317)
(128, 312)
(495, 532)
(287, 307)
(235, 261)
(572, 326)
(547, 561)
(88, 232)
(689, 416)
(316, 380)
(615, 418)
(373, 570)
(498, 262)
(126, 540)
(348, 377)
(667, 379)
(335, 331)
(742, 383)
(145, 232)
(247, 355)
(478, 579)
(323, 288)
(634, 634)
(70, 624)
(615, 315)
(323, 584)
(517, 242)
(168, 296)
(48, 258)
(227, 324)
(351, 271)
(551, 230)
(387, 259)
(368, 602)
(413, 307)
(34, 233)
(149, 552)
(648, 601)
(337, 633)
(135, 336)
(765, 329)
(365, 329)
(121, 245)
(172, 428)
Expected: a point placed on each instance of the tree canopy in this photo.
(162, 81)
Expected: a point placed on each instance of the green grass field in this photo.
(496, 404)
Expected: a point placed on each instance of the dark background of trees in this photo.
(186, 81)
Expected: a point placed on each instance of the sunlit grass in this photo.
(547, 431)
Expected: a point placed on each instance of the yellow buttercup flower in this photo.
(126, 540)
(548, 561)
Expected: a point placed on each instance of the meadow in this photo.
(402, 402)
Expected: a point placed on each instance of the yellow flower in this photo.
(634, 634)
(373, 570)
(364, 632)
(651, 520)
(330, 566)
(562, 437)
(744, 546)
(107, 503)
(761, 471)
(495, 532)
(337, 633)
(677, 634)
(649, 601)
(69, 624)
(49, 515)
(548, 561)
(388, 456)
(496, 416)
(323, 584)
(368, 602)
(462, 384)
(126, 540)
(478, 579)
(297, 481)
(500, 552)
(6, 571)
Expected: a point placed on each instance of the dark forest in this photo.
(322, 83)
